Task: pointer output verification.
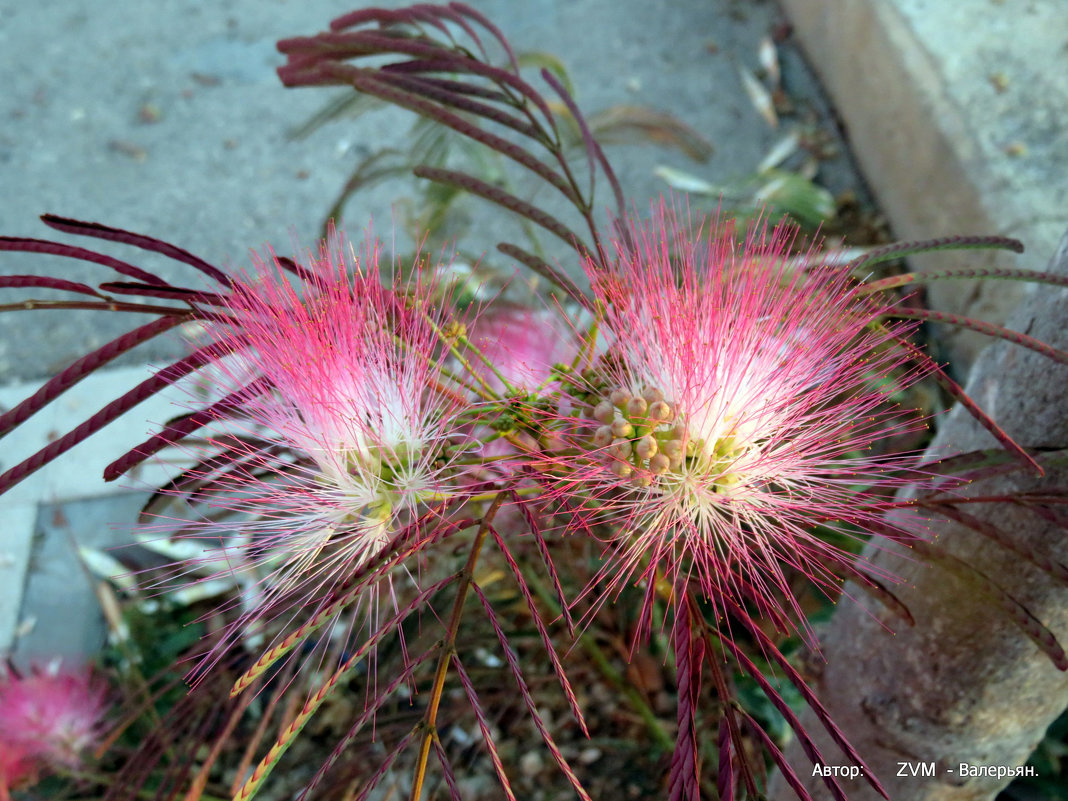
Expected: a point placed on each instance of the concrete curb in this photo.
(957, 113)
(75, 476)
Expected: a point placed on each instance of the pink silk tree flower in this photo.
(47, 717)
(735, 411)
(355, 431)
(523, 345)
(17, 768)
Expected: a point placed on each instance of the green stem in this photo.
(448, 648)
(486, 391)
(462, 339)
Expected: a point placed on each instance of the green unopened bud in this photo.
(604, 412)
(621, 448)
(620, 398)
(602, 437)
(659, 464)
(636, 407)
(652, 394)
(640, 481)
(674, 451)
(646, 447)
(622, 429)
(660, 411)
(621, 469)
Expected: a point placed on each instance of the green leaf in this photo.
(542, 60)
(342, 105)
(793, 194)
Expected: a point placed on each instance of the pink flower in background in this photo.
(48, 717)
(353, 386)
(736, 409)
(17, 768)
(523, 345)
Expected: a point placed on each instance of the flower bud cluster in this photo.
(640, 434)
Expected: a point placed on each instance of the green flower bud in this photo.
(652, 395)
(602, 437)
(659, 464)
(636, 407)
(660, 411)
(604, 412)
(646, 447)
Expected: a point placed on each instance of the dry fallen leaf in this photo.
(999, 80)
(136, 152)
(769, 60)
(759, 96)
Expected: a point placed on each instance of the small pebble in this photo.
(530, 764)
(149, 113)
(589, 756)
(999, 80)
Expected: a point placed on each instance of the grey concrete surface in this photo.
(59, 531)
(168, 120)
(214, 173)
(45, 597)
